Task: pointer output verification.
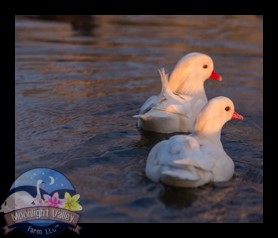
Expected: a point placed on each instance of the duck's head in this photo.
(192, 68)
(214, 115)
(199, 63)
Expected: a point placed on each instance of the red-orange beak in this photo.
(236, 116)
(215, 76)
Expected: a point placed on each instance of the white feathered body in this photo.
(183, 161)
(170, 112)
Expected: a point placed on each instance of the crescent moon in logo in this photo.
(52, 180)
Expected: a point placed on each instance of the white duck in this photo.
(196, 159)
(181, 99)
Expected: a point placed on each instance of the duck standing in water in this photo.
(181, 98)
(196, 159)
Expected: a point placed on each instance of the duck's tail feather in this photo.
(165, 90)
(164, 80)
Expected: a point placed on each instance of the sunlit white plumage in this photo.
(181, 98)
(196, 159)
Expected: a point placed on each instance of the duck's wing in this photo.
(187, 165)
(166, 152)
(185, 151)
(148, 105)
(195, 157)
(177, 147)
(187, 105)
(153, 165)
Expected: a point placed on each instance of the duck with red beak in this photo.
(197, 159)
(181, 98)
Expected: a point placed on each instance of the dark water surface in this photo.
(78, 85)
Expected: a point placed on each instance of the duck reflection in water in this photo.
(178, 198)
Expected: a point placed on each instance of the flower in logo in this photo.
(72, 202)
(53, 201)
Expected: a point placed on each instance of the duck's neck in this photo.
(209, 137)
(187, 83)
(208, 130)
(193, 88)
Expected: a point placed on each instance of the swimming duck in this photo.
(181, 98)
(196, 159)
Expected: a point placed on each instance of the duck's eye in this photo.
(205, 66)
(227, 108)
